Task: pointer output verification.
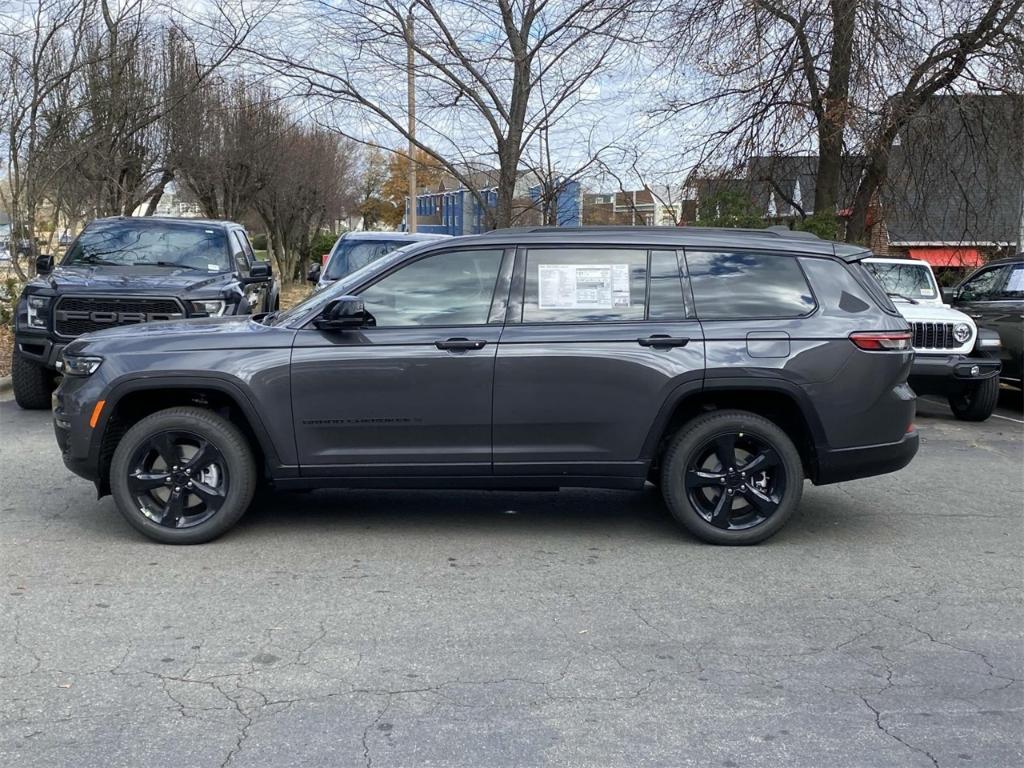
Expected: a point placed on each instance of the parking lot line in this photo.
(994, 415)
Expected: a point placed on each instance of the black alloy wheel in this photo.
(178, 479)
(734, 481)
(732, 477)
(183, 475)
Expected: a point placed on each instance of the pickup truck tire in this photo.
(978, 402)
(183, 475)
(33, 384)
(732, 477)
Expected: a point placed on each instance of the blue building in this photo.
(457, 211)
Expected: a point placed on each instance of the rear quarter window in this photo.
(732, 285)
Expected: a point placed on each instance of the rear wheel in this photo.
(33, 384)
(183, 475)
(977, 402)
(732, 477)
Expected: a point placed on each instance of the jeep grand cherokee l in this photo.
(725, 366)
(126, 271)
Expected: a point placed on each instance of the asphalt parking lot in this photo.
(881, 628)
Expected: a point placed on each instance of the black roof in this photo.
(779, 239)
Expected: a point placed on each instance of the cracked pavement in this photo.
(882, 627)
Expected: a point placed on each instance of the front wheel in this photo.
(977, 402)
(732, 477)
(33, 384)
(183, 475)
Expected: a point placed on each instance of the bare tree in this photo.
(478, 68)
(41, 51)
(843, 76)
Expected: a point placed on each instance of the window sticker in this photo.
(583, 286)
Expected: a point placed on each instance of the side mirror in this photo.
(343, 314)
(260, 271)
(948, 294)
(314, 273)
(44, 264)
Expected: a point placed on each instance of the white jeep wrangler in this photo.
(952, 356)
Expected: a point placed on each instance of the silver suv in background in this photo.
(354, 250)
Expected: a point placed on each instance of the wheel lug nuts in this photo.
(177, 489)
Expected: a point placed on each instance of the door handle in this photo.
(460, 344)
(660, 340)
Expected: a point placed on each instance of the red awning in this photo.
(948, 257)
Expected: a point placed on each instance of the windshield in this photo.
(353, 254)
(123, 243)
(343, 286)
(909, 281)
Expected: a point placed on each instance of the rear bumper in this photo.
(839, 465)
(946, 374)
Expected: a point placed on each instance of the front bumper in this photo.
(39, 348)
(73, 404)
(839, 465)
(945, 374)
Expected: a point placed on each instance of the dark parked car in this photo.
(994, 297)
(725, 366)
(128, 271)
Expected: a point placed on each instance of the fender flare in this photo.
(217, 382)
(710, 385)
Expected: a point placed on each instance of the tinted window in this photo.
(747, 285)
(984, 285)
(453, 288)
(127, 244)
(241, 259)
(665, 301)
(584, 285)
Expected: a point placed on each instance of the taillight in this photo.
(882, 341)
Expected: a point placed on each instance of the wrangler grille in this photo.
(75, 315)
(934, 336)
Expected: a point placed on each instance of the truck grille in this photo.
(75, 315)
(934, 336)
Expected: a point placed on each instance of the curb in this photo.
(6, 387)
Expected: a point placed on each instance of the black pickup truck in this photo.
(130, 270)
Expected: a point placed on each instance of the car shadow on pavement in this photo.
(621, 515)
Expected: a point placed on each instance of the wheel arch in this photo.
(777, 400)
(129, 401)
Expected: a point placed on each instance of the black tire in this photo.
(976, 403)
(760, 503)
(33, 384)
(233, 464)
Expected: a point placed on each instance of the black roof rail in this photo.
(777, 230)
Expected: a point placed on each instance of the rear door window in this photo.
(743, 285)
(1014, 288)
(585, 285)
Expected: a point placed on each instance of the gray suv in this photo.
(725, 366)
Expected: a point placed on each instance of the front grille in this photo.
(934, 336)
(75, 315)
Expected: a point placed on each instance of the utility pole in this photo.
(410, 219)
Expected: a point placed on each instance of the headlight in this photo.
(38, 311)
(962, 332)
(209, 307)
(80, 365)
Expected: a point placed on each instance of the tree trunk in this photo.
(158, 192)
(834, 109)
